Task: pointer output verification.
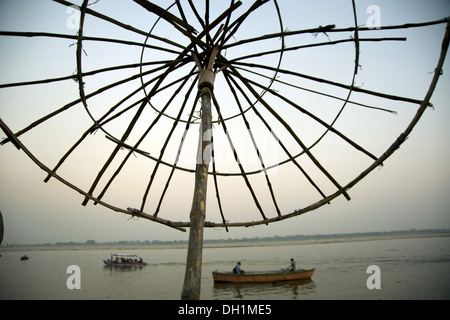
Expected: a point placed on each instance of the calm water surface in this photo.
(410, 269)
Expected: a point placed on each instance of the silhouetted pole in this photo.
(193, 273)
(1, 228)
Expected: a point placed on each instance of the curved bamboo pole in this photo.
(84, 38)
(122, 25)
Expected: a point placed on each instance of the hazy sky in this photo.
(411, 190)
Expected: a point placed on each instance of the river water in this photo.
(415, 268)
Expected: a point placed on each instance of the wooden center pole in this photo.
(193, 273)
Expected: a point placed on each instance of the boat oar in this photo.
(275, 282)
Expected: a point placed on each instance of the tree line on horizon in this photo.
(245, 239)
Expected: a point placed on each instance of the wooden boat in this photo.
(263, 276)
(124, 260)
(23, 258)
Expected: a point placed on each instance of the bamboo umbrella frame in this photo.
(235, 64)
(198, 63)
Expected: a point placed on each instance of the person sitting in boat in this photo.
(237, 269)
(292, 266)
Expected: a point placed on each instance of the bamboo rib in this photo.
(9, 134)
(332, 29)
(329, 82)
(220, 42)
(394, 27)
(207, 12)
(166, 15)
(85, 74)
(284, 33)
(84, 38)
(237, 23)
(196, 14)
(120, 24)
(177, 23)
(329, 43)
(183, 16)
(204, 23)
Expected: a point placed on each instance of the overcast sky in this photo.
(411, 190)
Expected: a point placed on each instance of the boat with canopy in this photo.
(124, 260)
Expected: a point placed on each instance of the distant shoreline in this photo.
(225, 244)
